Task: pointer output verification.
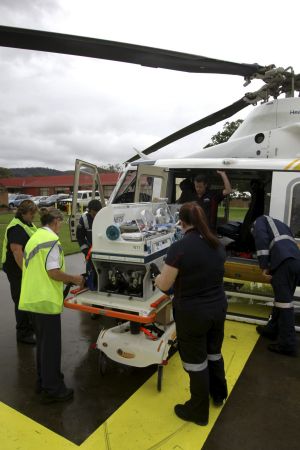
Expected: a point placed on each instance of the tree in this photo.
(222, 136)
(110, 168)
(5, 173)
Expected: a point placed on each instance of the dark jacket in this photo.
(201, 269)
(274, 242)
(84, 232)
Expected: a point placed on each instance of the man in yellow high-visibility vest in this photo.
(42, 294)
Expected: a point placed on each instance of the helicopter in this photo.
(264, 151)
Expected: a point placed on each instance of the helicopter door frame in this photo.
(280, 205)
(158, 189)
(96, 182)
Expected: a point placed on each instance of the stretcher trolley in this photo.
(127, 240)
(146, 335)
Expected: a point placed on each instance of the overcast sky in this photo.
(55, 108)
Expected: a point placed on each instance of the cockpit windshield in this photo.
(126, 191)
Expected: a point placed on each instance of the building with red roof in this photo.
(57, 184)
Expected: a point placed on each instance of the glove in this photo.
(154, 270)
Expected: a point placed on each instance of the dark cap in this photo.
(94, 205)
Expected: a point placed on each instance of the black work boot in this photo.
(186, 412)
(197, 408)
(263, 331)
(63, 396)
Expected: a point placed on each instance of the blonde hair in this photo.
(48, 215)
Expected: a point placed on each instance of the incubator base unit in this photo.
(127, 238)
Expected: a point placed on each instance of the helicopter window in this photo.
(295, 211)
(150, 188)
(259, 138)
(127, 188)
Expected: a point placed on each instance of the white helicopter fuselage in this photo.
(271, 130)
(265, 148)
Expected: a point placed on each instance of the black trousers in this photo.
(200, 336)
(24, 323)
(48, 353)
(282, 323)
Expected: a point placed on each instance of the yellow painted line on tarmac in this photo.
(18, 432)
(146, 421)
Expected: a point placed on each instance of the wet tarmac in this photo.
(96, 396)
(262, 411)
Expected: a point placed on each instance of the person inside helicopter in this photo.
(188, 191)
(240, 232)
(209, 199)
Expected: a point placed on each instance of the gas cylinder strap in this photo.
(283, 305)
(198, 367)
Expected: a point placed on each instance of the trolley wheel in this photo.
(102, 363)
(160, 369)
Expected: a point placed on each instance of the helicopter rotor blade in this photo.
(117, 51)
(207, 121)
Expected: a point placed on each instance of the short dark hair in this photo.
(94, 205)
(201, 179)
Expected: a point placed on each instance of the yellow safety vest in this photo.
(29, 230)
(39, 292)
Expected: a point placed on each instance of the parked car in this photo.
(83, 199)
(63, 203)
(11, 196)
(15, 202)
(38, 199)
(52, 200)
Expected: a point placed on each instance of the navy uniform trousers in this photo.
(200, 336)
(285, 279)
(24, 325)
(48, 353)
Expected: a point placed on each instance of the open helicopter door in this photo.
(151, 183)
(87, 177)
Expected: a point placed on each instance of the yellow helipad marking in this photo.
(146, 421)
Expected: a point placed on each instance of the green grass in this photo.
(235, 214)
(68, 246)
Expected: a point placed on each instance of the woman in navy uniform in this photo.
(279, 258)
(195, 266)
(17, 234)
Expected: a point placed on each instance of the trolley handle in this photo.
(159, 301)
(110, 313)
